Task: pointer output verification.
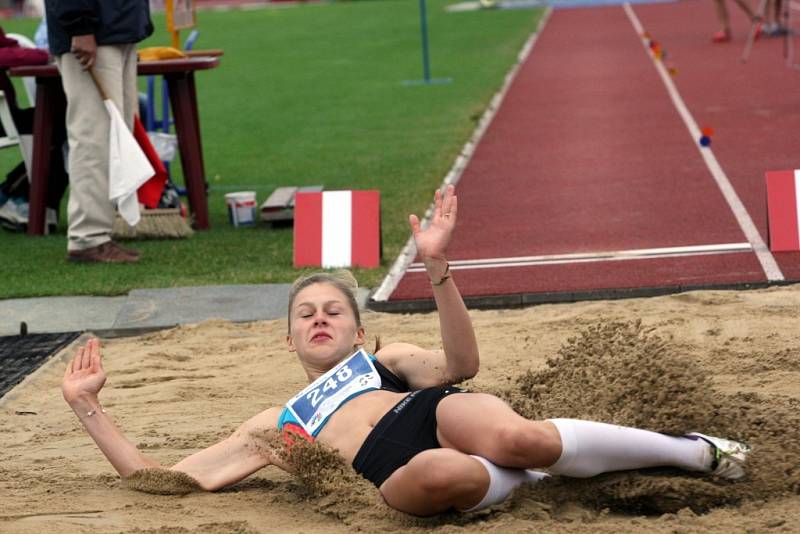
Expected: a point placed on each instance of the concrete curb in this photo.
(146, 310)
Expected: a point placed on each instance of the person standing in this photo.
(724, 35)
(774, 19)
(98, 36)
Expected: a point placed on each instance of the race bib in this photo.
(316, 403)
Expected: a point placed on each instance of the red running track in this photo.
(754, 107)
(587, 154)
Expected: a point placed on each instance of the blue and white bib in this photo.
(313, 406)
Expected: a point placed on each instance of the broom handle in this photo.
(98, 84)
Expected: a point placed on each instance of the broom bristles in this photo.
(162, 223)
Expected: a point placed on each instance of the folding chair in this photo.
(11, 216)
(8, 99)
(28, 81)
(12, 136)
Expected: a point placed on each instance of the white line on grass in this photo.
(768, 263)
(409, 251)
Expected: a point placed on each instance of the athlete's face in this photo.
(323, 327)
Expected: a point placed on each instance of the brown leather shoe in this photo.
(135, 252)
(105, 253)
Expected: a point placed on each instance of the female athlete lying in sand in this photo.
(396, 417)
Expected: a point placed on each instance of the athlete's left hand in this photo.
(432, 242)
(84, 376)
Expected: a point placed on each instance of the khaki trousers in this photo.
(89, 211)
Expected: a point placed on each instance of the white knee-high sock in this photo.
(590, 448)
(502, 481)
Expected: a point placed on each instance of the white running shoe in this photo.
(728, 456)
(9, 216)
(14, 216)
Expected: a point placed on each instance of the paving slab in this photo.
(163, 308)
(144, 310)
(59, 314)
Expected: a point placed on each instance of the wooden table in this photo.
(51, 103)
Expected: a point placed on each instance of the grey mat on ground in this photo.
(21, 355)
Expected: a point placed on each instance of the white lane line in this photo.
(765, 257)
(617, 255)
(409, 252)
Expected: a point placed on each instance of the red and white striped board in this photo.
(337, 229)
(783, 208)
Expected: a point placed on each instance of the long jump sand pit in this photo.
(722, 362)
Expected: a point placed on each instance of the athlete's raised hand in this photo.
(432, 242)
(84, 375)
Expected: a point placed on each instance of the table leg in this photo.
(49, 104)
(183, 98)
(193, 95)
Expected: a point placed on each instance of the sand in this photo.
(724, 362)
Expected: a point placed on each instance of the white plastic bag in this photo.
(166, 145)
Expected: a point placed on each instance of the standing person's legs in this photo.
(773, 18)
(130, 90)
(724, 34)
(90, 212)
(748, 10)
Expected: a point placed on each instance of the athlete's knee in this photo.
(527, 444)
(446, 476)
(437, 475)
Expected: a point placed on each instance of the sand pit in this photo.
(720, 362)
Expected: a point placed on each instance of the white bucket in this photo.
(241, 208)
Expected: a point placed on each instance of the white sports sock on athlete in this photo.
(590, 448)
(502, 481)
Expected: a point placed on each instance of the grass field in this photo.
(310, 94)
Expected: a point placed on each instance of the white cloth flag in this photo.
(128, 167)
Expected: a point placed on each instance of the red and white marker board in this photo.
(337, 229)
(783, 207)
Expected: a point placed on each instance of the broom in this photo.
(153, 223)
(159, 223)
(156, 223)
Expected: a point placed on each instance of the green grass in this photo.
(304, 95)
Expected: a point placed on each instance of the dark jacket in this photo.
(111, 21)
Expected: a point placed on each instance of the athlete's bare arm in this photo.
(246, 451)
(458, 358)
(421, 368)
(227, 462)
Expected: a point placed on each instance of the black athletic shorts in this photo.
(406, 430)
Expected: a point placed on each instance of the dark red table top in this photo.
(165, 66)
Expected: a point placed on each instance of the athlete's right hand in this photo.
(84, 375)
(84, 48)
(432, 242)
